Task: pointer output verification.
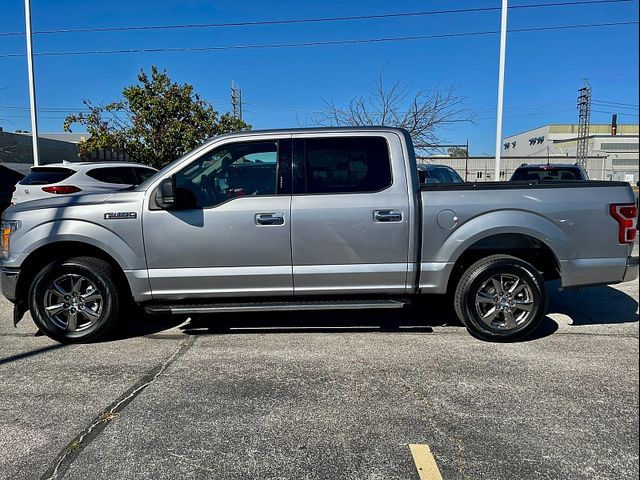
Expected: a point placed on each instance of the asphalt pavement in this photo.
(328, 395)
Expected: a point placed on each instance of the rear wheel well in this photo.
(44, 255)
(524, 247)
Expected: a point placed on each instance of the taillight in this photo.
(61, 189)
(626, 214)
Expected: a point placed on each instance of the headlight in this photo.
(7, 227)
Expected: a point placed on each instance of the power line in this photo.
(319, 43)
(616, 105)
(316, 20)
(634, 115)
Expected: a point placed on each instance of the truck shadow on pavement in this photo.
(590, 306)
(412, 319)
(594, 305)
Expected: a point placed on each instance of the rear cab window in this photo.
(343, 165)
(46, 175)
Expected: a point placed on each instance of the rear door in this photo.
(350, 214)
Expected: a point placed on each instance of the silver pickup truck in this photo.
(312, 219)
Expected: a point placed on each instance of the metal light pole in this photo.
(32, 83)
(503, 50)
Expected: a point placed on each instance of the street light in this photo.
(32, 83)
(503, 49)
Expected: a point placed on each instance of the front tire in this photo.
(501, 298)
(75, 300)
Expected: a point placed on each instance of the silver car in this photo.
(74, 178)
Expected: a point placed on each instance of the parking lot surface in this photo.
(328, 395)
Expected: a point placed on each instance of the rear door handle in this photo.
(270, 218)
(387, 215)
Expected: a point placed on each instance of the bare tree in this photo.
(422, 114)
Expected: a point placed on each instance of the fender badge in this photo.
(120, 215)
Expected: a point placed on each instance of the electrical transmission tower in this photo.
(584, 117)
(236, 100)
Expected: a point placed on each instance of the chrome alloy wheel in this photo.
(72, 302)
(505, 302)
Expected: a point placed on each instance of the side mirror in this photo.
(166, 194)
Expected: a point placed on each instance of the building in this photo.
(16, 149)
(613, 151)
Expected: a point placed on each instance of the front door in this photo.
(350, 221)
(229, 234)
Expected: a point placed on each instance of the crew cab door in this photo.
(229, 233)
(350, 214)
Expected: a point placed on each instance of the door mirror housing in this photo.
(166, 193)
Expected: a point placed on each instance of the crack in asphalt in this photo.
(73, 449)
(430, 408)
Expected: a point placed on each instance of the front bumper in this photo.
(631, 273)
(9, 282)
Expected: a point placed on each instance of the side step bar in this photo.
(273, 306)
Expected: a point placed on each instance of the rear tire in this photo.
(75, 300)
(501, 298)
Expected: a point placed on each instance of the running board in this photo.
(183, 309)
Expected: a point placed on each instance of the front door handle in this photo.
(270, 218)
(387, 215)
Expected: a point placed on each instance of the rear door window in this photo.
(455, 177)
(347, 165)
(116, 175)
(46, 175)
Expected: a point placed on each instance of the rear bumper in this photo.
(9, 282)
(631, 273)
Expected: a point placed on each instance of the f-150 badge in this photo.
(120, 215)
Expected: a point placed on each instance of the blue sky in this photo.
(283, 87)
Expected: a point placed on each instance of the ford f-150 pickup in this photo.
(328, 218)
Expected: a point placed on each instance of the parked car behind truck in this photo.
(80, 177)
(312, 219)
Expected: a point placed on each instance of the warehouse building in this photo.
(613, 149)
(16, 149)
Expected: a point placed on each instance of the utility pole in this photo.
(32, 83)
(236, 100)
(466, 162)
(584, 120)
(503, 51)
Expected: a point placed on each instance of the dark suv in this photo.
(544, 171)
(430, 173)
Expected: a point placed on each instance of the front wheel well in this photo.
(46, 254)
(521, 246)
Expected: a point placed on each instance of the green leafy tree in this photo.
(156, 121)
(457, 152)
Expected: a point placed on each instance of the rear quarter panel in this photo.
(573, 221)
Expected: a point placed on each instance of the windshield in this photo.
(561, 173)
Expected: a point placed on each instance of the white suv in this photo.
(83, 177)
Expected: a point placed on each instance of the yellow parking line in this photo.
(425, 463)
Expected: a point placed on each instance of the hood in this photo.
(74, 201)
